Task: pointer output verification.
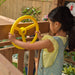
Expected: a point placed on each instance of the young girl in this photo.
(52, 53)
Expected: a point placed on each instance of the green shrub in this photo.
(69, 70)
(34, 12)
(69, 55)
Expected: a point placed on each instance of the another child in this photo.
(52, 53)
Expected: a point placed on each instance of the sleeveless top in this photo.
(56, 65)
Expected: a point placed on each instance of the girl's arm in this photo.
(37, 45)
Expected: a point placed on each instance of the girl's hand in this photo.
(11, 37)
(39, 34)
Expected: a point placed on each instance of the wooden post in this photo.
(31, 62)
(61, 2)
(20, 60)
(8, 54)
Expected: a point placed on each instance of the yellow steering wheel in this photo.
(22, 31)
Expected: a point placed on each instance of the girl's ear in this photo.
(57, 25)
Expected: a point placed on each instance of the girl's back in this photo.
(57, 65)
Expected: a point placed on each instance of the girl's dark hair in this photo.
(63, 15)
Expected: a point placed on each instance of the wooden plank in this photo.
(54, 4)
(5, 43)
(3, 49)
(21, 60)
(6, 20)
(6, 68)
(8, 42)
(13, 49)
(60, 2)
(8, 54)
(42, 0)
(70, 61)
(63, 2)
(31, 62)
(4, 29)
(2, 21)
(70, 0)
(15, 10)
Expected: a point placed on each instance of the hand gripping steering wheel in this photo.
(23, 30)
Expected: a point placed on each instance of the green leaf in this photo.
(65, 52)
(34, 13)
(24, 11)
(73, 58)
(68, 54)
(73, 53)
(4, 40)
(2, 47)
(34, 9)
(19, 38)
(38, 12)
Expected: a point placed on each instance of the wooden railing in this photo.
(9, 51)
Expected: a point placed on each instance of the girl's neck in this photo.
(61, 33)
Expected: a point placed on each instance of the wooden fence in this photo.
(13, 8)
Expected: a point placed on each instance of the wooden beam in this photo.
(21, 60)
(6, 20)
(31, 62)
(6, 68)
(70, 61)
(70, 0)
(5, 29)
(5, 43)
(63, 2)
(9, 43)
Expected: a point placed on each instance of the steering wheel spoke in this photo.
(23, 38)
(17, 28)
(30, 26)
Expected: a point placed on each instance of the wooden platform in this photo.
(6, 68)
(6, 20)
